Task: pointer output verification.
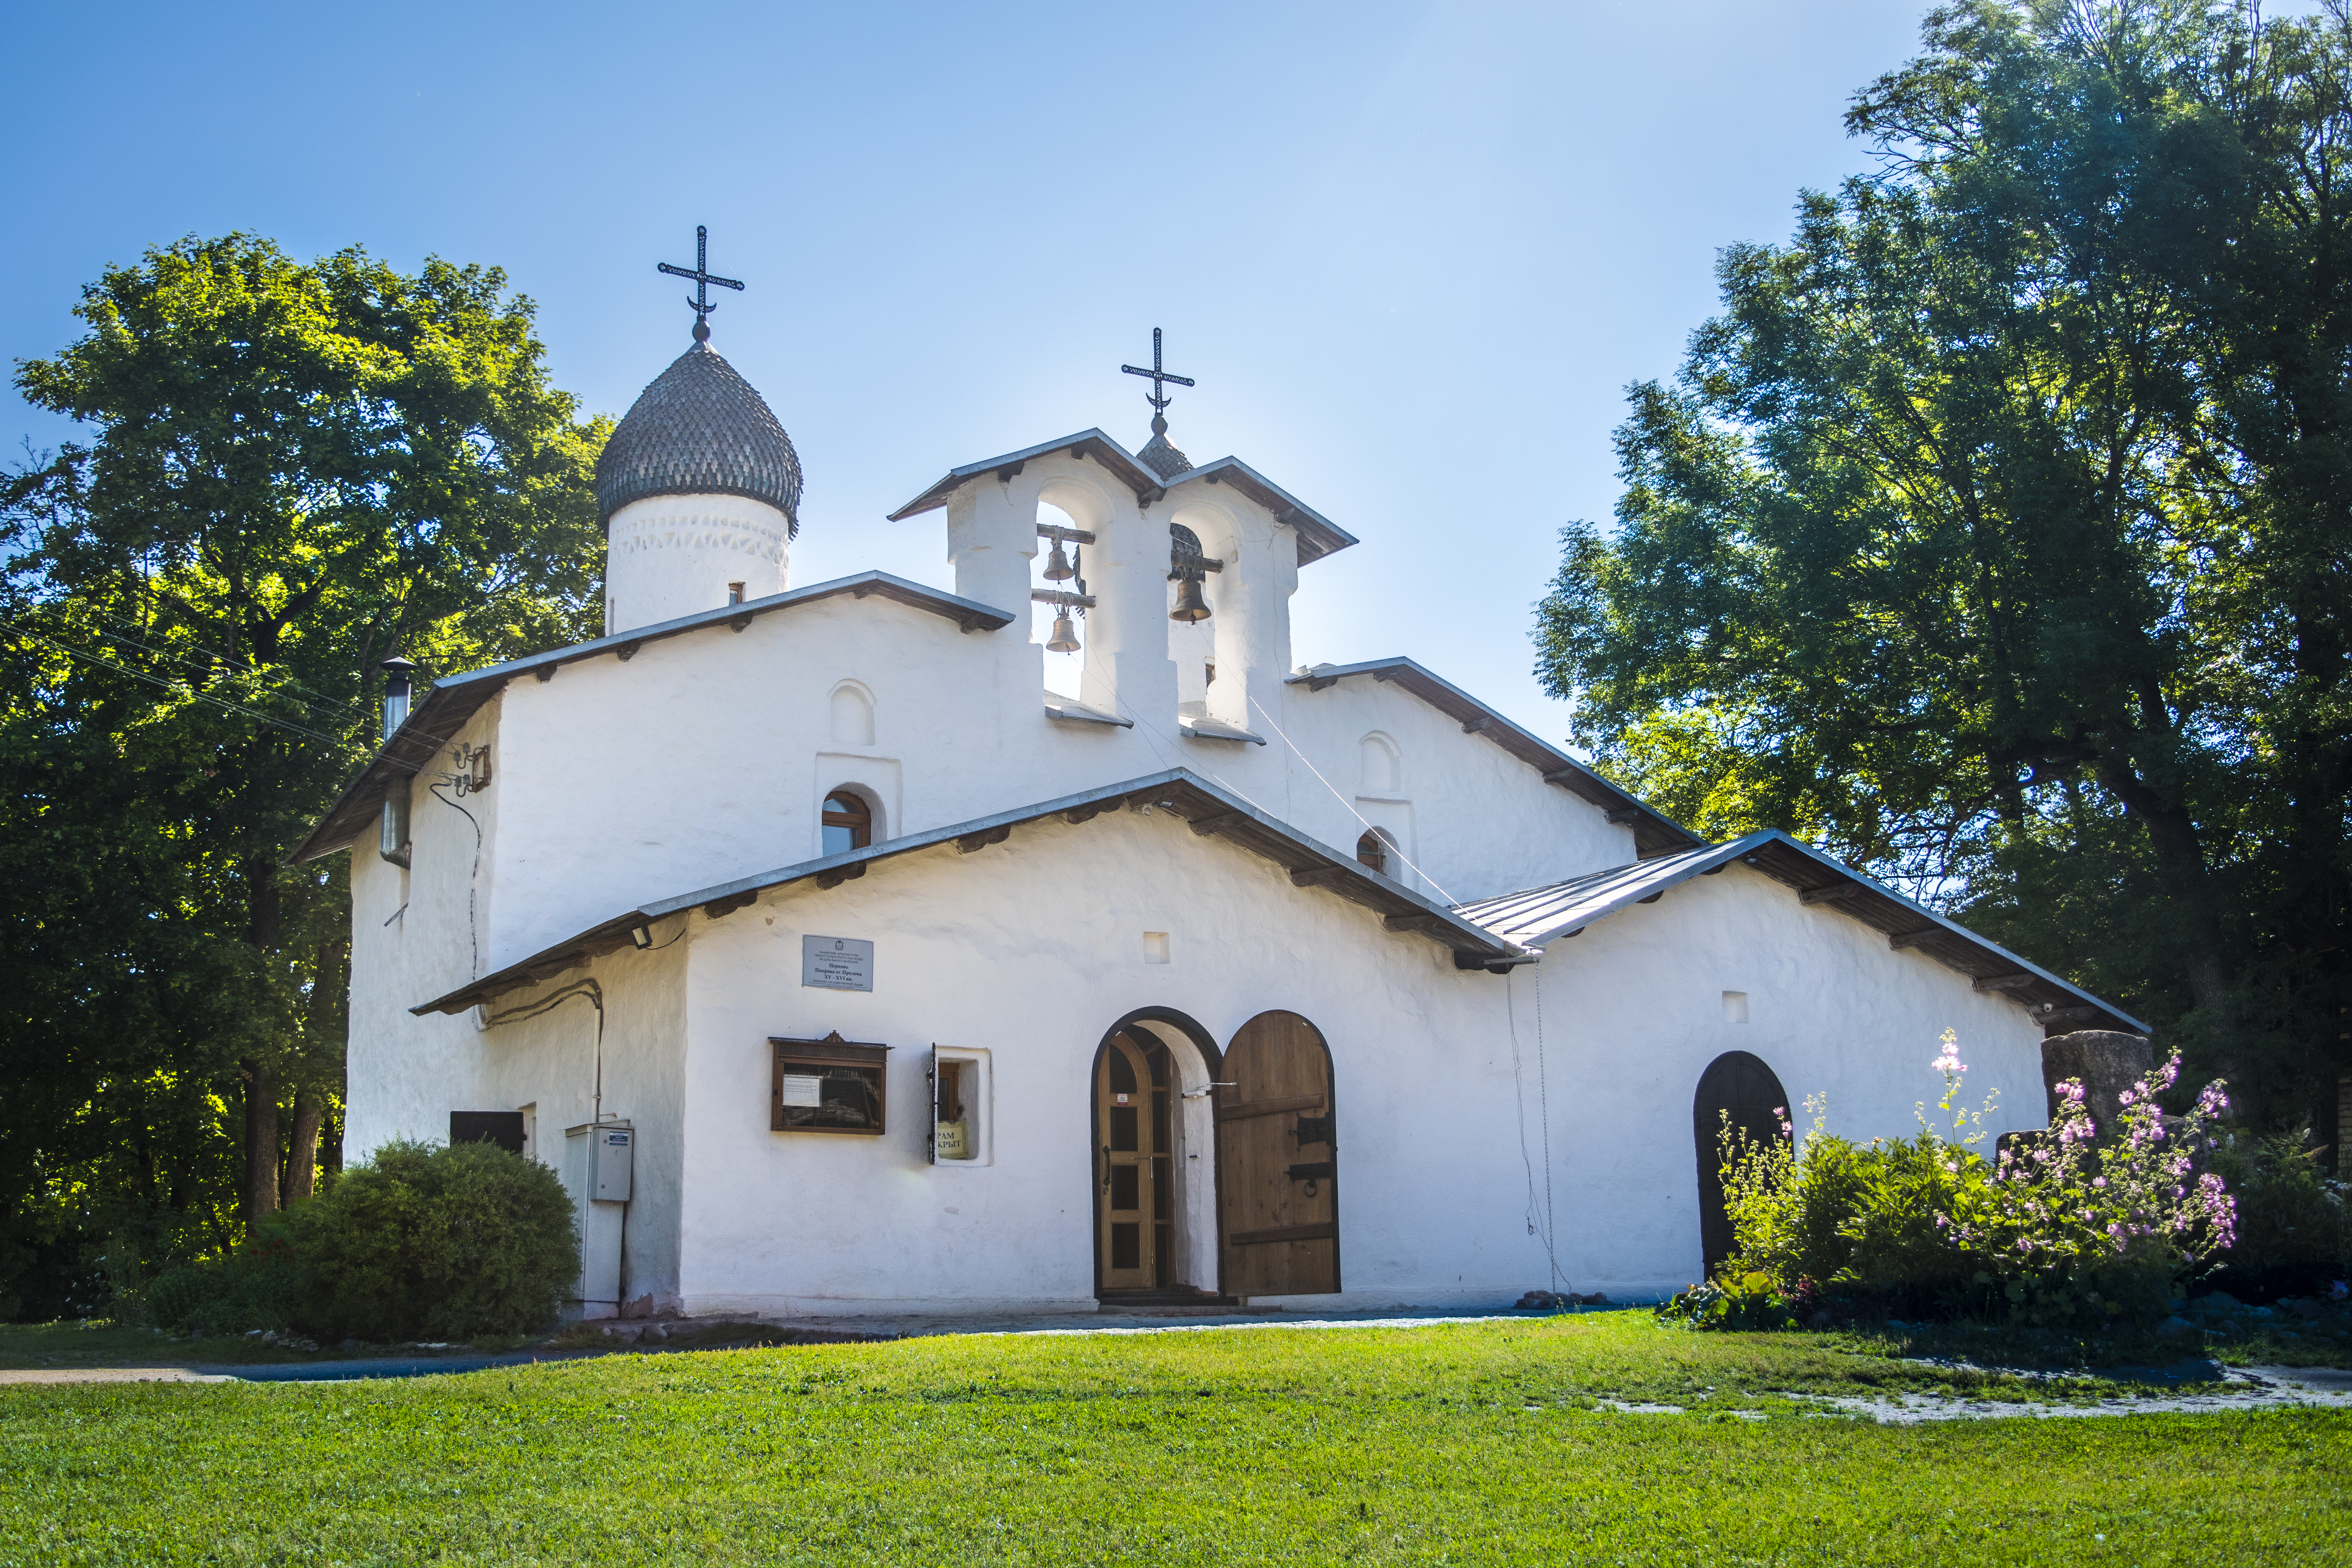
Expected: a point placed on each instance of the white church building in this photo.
(842, 968)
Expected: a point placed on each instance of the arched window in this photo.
(848, 822)
(1383, 773)
(1373, 851)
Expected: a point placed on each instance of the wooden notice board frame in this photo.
(857, 1078)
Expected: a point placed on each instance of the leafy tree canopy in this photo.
(1996, 533)
(295, 470)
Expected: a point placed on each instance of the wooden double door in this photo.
(1276, 1163)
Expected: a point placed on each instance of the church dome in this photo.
(699, 429)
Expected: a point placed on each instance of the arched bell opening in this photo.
(1277, 1161)
(1153, 1137)
(1738, 1090)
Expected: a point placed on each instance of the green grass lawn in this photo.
(1460, 1444)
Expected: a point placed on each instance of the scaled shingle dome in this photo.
(699, 429)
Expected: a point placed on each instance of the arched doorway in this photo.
(1277, 1161)
(1741, 1087)
(1153, 1177)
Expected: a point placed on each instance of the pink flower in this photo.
(2098, 1181)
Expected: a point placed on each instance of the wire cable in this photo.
(182, 686)
(595, 995)
(1450, 900)
(473, 879)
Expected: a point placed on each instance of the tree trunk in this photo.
(260, 1144)
(302, 1157)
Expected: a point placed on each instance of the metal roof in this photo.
(1317, 535)
(1203, 806)
(699, 429)
(1539, 916)
(1654, 833)
(445, 709)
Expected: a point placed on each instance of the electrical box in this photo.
(612, 1156)
(597, 1160)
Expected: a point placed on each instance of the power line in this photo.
(182, 686)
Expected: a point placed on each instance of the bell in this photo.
(1057, 565)
(1066, 635)
(1190, 605)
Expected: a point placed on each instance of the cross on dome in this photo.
(702, 304)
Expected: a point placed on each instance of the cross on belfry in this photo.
(1159, 398)
(703, 278)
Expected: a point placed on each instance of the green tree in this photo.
(1996, 533)
(295, 471)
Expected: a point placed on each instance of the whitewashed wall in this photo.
(1030, 950)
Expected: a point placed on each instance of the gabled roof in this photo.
(1654, 833)
(455, 700)
(1085, 444)
(1205, 807)
(1539, 916)
(1317, 535)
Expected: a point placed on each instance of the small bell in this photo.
(1066, 635)
(1057, 565)
(1190, 605)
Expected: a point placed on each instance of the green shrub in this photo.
(2078, 1230)
(437, 1242)
(259, 1287)
(2295, 1228)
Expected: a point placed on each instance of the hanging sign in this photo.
(838, 962)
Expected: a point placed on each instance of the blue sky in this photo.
(1412, 253)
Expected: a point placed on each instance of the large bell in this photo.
(1057, 565)
(1190, 605)
(1066, 635)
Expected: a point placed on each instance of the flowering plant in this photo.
(2077, 1224)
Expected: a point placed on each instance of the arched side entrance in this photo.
(1152, 1175)
(1741, 1087)
(1277, 1161)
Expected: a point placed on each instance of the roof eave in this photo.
(1085, 444)
(1214, 812)
(449, 703)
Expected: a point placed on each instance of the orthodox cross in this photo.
(703, 278)
(1159, 398)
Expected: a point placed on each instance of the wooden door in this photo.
(1277, 1162)
(1134, 1217)
(1741, 1087)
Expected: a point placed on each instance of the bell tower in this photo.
(698, 488)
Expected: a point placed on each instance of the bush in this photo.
(2074, 1231)
(2294, 1228)
(259, 1287)
(437, 1242)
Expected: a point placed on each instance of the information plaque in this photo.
(838, 962)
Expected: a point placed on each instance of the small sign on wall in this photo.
(838, 962)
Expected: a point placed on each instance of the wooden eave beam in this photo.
(827, 880)
(2017, 981)
(1832, 893)
(971, 843)
(1900, 939)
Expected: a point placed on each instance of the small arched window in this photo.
(1383, 773)
(1373, 851)
(848, 823)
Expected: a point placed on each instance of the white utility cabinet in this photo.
(598, 1157)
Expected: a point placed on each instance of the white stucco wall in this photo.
(1030, 950)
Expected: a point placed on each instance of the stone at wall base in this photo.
(2106, 1061)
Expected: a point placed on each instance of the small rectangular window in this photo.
(830, 1085)
(1735, 1007)
(1155, 947)
(734, 593)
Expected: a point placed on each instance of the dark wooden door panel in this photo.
(1278, 1173)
